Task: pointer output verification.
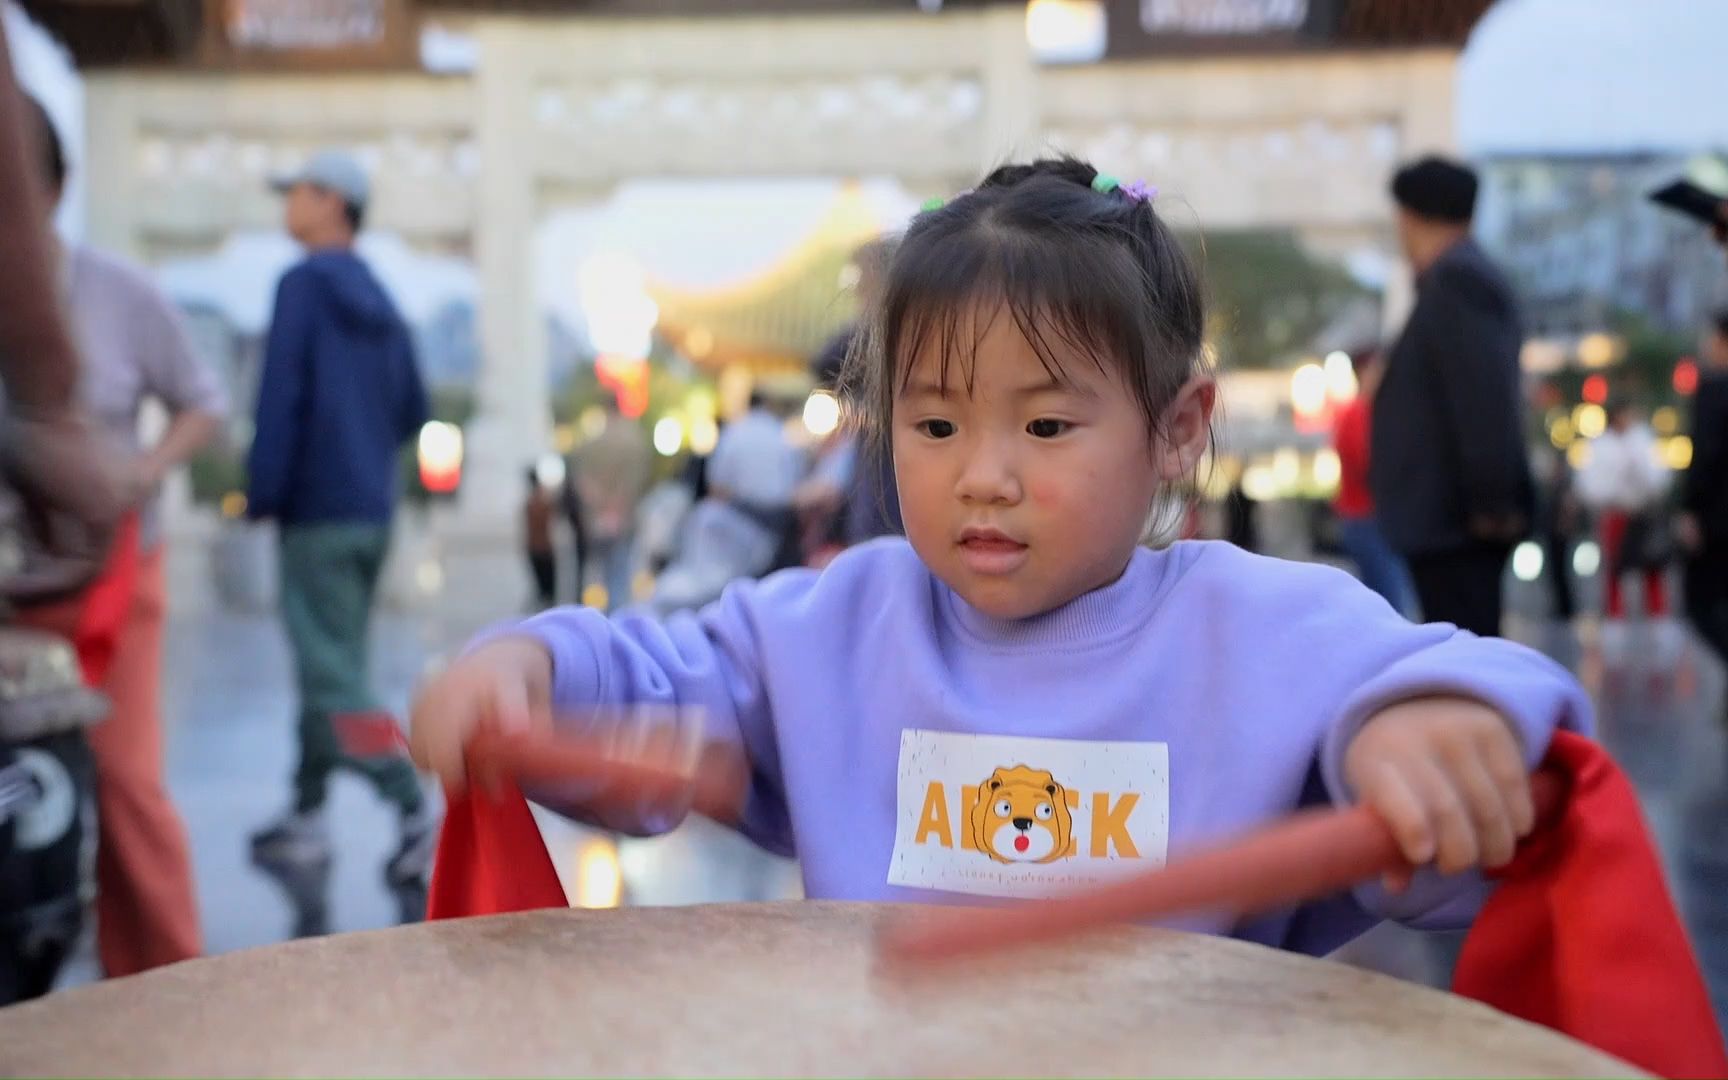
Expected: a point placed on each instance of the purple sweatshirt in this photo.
(906, 747)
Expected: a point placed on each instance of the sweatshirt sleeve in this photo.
(1535, 695)
(281, 394)
(709, 662)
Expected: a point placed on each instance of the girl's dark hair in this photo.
(1083, 272)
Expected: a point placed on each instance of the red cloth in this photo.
(93, 619)
(1350, 431)
(491, 859)
(1581, 935)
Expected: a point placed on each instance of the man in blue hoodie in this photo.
(341, 393)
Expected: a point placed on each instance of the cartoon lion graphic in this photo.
(1021, 816)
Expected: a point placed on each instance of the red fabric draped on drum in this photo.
(491, 860)
(1581, 935)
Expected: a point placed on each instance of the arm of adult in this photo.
(1474, 358)
(281, 393)
(53, 456)
(196, 400)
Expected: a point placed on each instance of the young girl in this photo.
(1018, 699)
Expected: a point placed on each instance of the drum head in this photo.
(757, 990)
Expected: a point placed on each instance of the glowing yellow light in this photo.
(735, 385)
(1340, 377)
(599, 880)
(704, 435)
(441, 445)
(1597, 350)
(564, 438)
(1590, 420)
(234, 504)
(1286, 469)
(1259, 484)
(621, 315)
(1665, 420)
(1677, 452)
(594, 596)
(1327, 470)
(592, 421)
(1560, 433)
(1308, 389)
(699, 343)
(668, 436)
(440, 456)
(1578, 454)
(821, 413)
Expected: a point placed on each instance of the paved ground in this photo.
(229, 700)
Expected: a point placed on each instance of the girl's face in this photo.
(1025, 492)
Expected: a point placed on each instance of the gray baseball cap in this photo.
(333, 171)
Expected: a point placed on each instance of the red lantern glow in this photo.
(1686, 376)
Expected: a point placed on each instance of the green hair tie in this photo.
(935, 203)
(1104, 183)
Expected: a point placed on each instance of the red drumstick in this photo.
(1314, 854)
(711, 778)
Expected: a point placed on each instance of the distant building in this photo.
(1583, 242)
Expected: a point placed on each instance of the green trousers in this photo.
(329, 577)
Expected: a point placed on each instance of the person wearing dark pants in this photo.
(341, 393)
(537, 540)
(1702, 528)
(329, 578)
(1462, 586)
(1448, 469)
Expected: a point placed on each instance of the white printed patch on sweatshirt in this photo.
(1000, 815)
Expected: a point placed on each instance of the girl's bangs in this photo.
(1060, 297)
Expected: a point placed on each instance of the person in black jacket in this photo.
(1449, 473)
(1702, 528)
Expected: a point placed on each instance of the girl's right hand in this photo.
(506, 684)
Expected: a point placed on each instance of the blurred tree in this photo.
(1270, 298)
(1647, 370)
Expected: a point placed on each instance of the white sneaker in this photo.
(1615, 639)
(1668, 641)
(298, 837)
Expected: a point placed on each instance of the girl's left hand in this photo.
(1447, 775)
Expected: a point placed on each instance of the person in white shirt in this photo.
(754, 465)
(1625, 482)
(739, 529)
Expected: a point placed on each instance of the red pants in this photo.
(146, 908)
(1614, 524)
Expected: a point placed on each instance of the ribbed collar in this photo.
(1099, 616)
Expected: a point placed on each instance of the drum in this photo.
(758, 990)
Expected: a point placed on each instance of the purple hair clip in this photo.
(1140, 191)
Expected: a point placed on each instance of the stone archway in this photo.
(559, 111)
(568, 109)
